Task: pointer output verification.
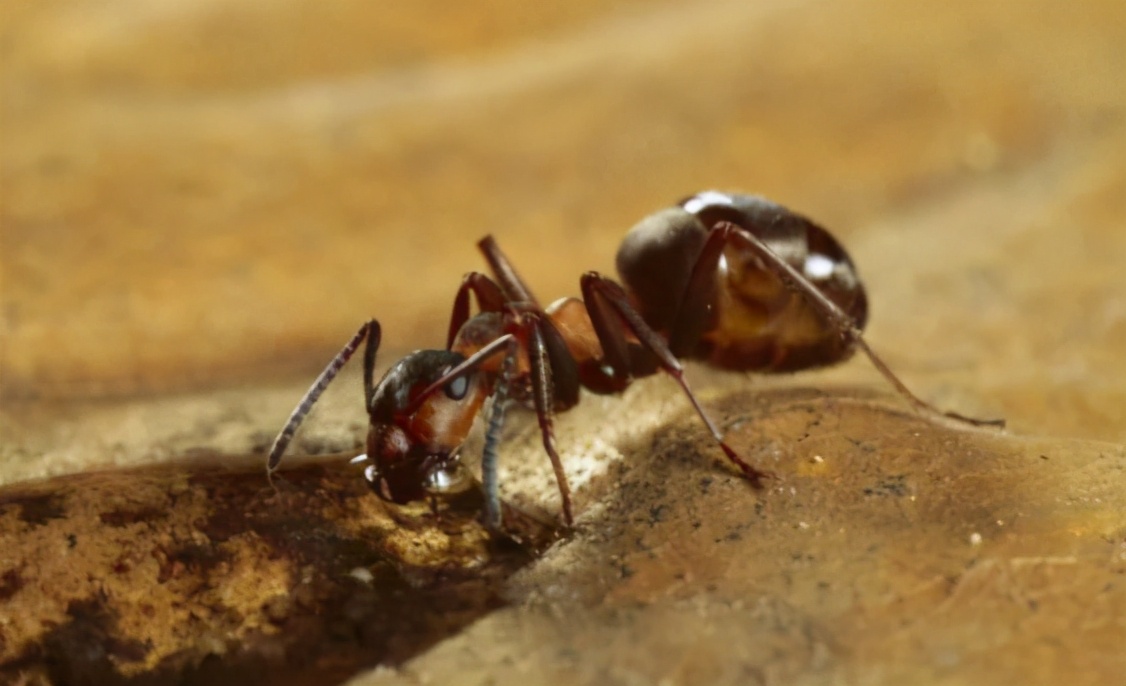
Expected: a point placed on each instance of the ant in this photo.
(736, 281)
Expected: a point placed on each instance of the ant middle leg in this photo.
(611, 314)
(514, 288)
(489, 296)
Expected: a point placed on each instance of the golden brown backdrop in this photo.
(202, 200)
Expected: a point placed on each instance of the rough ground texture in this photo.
(199, 202)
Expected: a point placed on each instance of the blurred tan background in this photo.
(201, 201)
(201, 195)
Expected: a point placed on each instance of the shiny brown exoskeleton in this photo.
(733, 280)
(696, 278)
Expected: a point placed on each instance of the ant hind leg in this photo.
(611, 313)
(842, 321)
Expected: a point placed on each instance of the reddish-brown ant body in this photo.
(733, 280)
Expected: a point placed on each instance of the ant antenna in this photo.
(369, 329)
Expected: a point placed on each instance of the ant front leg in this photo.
(611, 313)
(544, 359)
(489, 481)
(726, 231)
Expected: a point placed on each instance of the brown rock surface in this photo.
(199, 202)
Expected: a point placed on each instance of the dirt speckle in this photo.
(36, 509)
(11, 582)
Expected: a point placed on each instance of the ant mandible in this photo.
(736, 281)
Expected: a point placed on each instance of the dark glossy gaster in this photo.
(733, 280)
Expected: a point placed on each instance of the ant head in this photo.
(420, 415)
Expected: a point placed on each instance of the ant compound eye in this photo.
(448, 480)
(456, 389)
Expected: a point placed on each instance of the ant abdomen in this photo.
(695, 279)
